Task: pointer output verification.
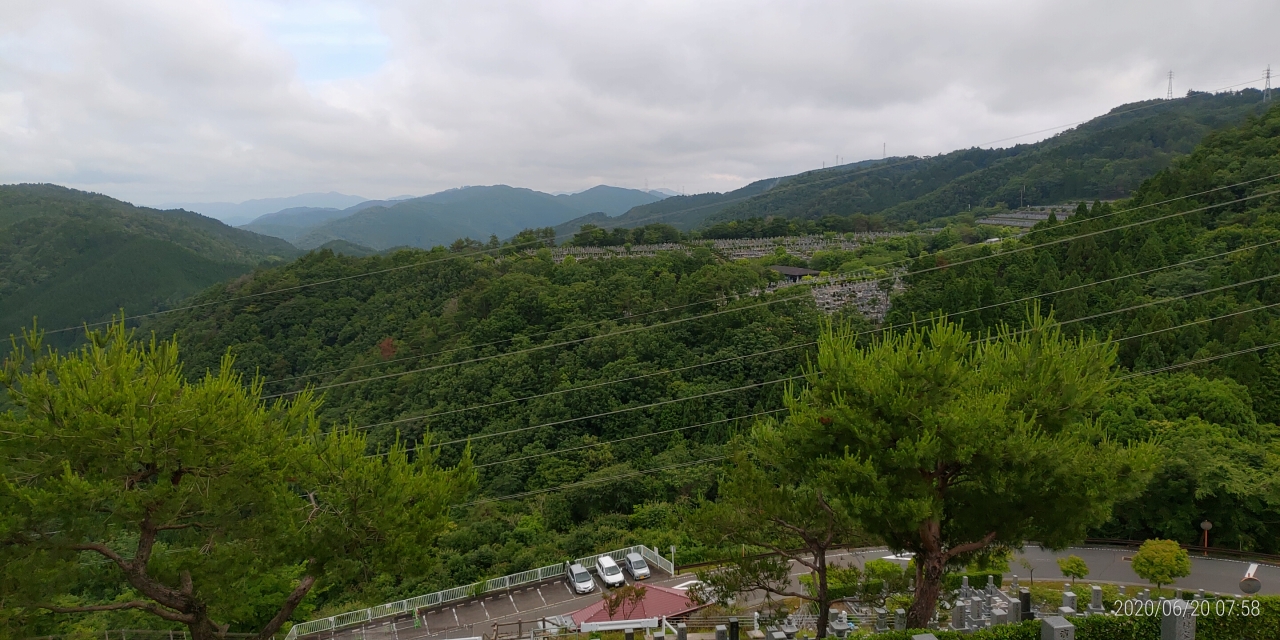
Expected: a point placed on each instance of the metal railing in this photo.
(411, 605)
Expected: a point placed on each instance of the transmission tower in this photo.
(1266, 93)
(1169, 96)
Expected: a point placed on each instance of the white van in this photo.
(609, 572)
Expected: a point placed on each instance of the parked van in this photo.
(636, 566)
(609, 572)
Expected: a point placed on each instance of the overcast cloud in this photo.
(155, 100)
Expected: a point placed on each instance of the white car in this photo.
(580, 579)
(636, 566)
(610, 572)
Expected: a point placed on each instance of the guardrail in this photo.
(455, 594)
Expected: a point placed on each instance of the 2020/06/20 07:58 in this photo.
(1219, 607)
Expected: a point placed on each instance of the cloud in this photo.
(157, 101)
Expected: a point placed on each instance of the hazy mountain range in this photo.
(441, 218)
(238, 213)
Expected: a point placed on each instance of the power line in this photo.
(664, 432)
(755, 385)
(543, 241)
(615, 441)
(624, 476)
(781, 298)
(1199, 361)
(812, 343)
(595, 385)
(593, 481)
(485, 436)
(723, 298)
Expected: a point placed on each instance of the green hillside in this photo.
(1216, 420)
(69, 257)
(442, 218)
(682, 212)
(1105, 158)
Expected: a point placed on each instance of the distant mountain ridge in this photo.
(70, 257)
(441, 218)
(240, 213)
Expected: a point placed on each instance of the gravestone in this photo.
(882, 619)
(1057, 628)
(960, 615)
(1069, 600)
(924, 636)
(1200, 595)
(1013, 587)
(629, 634)
(1024, 604)
(722, 633)
(999, 616)
(733, 630)
(1177, 622)
(1095, 601)
(899, 620)
(682, 632)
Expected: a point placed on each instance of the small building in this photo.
(657, 603)
(795, 274)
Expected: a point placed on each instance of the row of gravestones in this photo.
(976, 609)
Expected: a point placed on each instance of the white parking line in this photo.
(544, 600)
(513, 603)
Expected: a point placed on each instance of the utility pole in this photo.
(884, 150)
(1169, 96)
(1266, 93)
(1022, 197)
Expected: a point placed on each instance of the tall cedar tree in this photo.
(954, 448)
(196, 495)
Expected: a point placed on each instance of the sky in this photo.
(157, 101)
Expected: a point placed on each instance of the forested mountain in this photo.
(682, 212)
(69, 256)
(469, 212)
(609, 200)
(1217, 269)
(1105, 158)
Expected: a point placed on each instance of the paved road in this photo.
(533, 603)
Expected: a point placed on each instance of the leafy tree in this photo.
(1073, 567)
(956, 448)
(625, 599)
(180, 498)
(1160, 562)
(770, 499)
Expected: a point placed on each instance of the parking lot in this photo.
(478, 617)
(529, 604)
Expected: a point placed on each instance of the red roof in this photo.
(657, 602)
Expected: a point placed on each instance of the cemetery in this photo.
(663, 607)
